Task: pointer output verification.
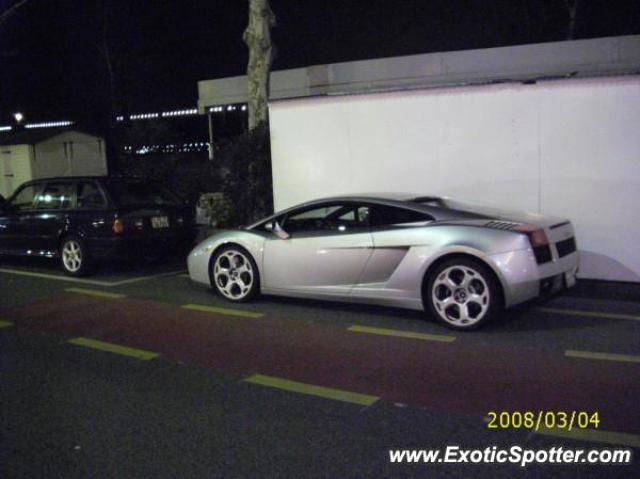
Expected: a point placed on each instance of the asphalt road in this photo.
(136, 372)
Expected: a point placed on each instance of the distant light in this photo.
(50, 124)
(188, 111)
(244, 108)
(5, 128)
(18, 116)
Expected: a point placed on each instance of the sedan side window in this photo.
(391, 217)
(89, 196)
(25, 199)
(57, 196)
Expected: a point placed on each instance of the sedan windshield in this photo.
(128, 192)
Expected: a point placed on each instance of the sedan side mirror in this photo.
(277, 230)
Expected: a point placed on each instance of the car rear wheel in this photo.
(235, 274)
(74, 257)
(463, 294)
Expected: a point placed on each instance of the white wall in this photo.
(82, 155)
(15, 167)
(568, 148)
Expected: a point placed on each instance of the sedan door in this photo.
(14, 234)
(327, 251)
(44, 224)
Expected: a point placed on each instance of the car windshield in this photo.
(128, 192)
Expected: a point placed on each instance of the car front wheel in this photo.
(235, 274)
(463, 294)
(74, 257)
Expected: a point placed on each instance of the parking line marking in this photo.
(5, 324)
(114, 348)
(95, 282)
(312, 390)
(594, 435)
(402, 334)
(145, 278)
(92, 292)
(591, 314)
(228, 312)
(602, 356)
(55, 277)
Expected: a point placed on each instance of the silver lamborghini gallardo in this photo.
(461, 263)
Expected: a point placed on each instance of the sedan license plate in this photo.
(159, 222)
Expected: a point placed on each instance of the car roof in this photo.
(87, 177)
(432, 205)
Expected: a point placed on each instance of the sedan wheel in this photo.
(463, 294)
(235, 274)
(74, 257)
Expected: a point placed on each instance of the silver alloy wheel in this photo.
(461, 295)
(72, 256)
(233, 274)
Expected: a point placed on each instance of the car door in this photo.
(394, 231)
(13, 229)
(328, 248)
(45, 222)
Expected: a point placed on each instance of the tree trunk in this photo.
(257, 36)
(572, 10)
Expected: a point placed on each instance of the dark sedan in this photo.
(82, 220)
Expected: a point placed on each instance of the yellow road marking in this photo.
(303, 388)
(5, 324)
(602, 356)
(56, 277)
(228, 312)
(114, 348)
(590, 314)
(402, 334)
(93, 282)
(595, 435)
(93, 292)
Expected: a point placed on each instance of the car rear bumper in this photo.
(523, 279)
(133, 247)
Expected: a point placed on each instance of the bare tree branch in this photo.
(11, 10)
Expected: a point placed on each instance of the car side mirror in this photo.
(277, 230)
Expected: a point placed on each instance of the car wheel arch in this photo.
(462, 255)
(226, 244)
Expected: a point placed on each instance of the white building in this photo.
(549, 128)
(48, 152)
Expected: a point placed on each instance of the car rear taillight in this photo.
(537, 236)
(539, 242)
(118, 226)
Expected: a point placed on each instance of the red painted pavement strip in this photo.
(456, 377)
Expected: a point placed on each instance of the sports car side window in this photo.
(311, 220)
(391, 217)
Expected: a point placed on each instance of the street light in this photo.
(18, 116)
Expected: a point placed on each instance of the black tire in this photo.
(463, 294)
(241, 280)
(74, 264)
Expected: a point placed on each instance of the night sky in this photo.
(52, 68)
